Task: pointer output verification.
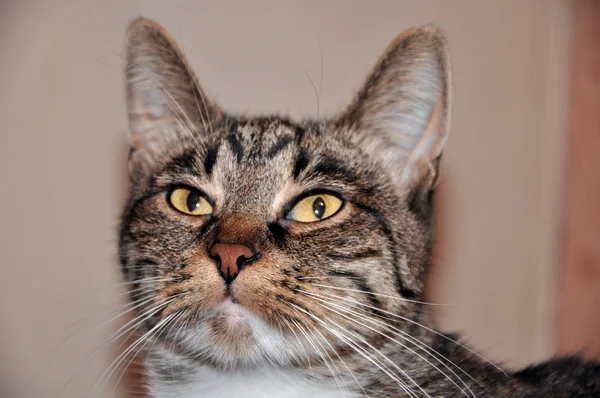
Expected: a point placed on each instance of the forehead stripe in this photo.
(211, 158)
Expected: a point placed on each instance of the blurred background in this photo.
(518, 259)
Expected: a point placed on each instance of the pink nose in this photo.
(232, 257)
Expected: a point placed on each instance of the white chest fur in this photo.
(260, 383)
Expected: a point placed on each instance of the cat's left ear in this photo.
(402, 112)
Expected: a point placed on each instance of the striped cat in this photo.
(278, 258)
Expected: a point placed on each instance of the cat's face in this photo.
(262, 240)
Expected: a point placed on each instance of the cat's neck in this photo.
(262, 382)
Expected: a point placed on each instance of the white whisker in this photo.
(130, 349)
(380, 295)
(340, 384)
(145, 316)
(321, 351)
(421, 326)
(173, 322)
(327, 305)
(355, 347)
(400, 333)
(91, 355)
(308, 360)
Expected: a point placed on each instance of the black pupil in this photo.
(319, 207)
(193, 200)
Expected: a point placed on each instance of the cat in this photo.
(274, 258)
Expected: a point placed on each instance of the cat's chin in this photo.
(231, 308)
(230, 336)
(232, 320)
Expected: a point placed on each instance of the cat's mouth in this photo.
(234, 311)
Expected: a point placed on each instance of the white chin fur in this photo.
(268, 344)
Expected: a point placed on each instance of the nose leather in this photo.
(231, 258)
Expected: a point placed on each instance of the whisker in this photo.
(380, 295)
(314, 345)
(382, 355)
(152, 311)
(130, 349)
(327, 361)
(355, 347)
(144, 280)
(136, 305)
(173, 322)
(89, 293)
(142, 290)
(77, 326)
(413, 340)
(395, 341)
(421, 326)
(336, 378)
(371, 358)
(183, 327)
(317, 94)
(326, 277)
(400, 333)
(91, 355)
(308, 360)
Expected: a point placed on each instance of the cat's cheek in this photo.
(200, 291)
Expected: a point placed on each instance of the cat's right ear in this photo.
(165, 102)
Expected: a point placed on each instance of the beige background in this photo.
(62, 123)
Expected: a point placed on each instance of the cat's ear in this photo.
(165, 101)
(402, 112)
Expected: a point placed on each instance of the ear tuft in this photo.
(402, 112)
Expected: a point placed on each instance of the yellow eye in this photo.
(315, 208)
(190, 201)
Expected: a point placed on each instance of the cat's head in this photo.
(255, 240)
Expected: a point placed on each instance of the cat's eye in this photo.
(315, 208)
(190, 201)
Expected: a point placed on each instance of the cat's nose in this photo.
(231, 258)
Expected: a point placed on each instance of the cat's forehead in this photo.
(264, 131)
(272, 142)
(260, 140)
(252, 158)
